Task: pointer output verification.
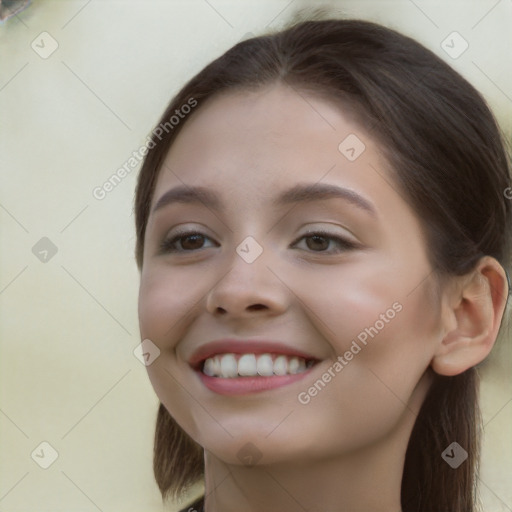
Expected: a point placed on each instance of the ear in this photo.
(472, 318)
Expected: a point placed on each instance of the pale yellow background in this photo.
(69, 326)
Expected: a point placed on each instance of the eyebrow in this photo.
(302, 192)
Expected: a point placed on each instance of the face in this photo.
(338, 272)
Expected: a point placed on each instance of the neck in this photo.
(326, 485)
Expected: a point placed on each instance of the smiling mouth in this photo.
(231, 366)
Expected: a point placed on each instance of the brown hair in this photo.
(449, 160)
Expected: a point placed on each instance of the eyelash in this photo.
(167, 245)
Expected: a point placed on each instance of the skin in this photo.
(344, 450)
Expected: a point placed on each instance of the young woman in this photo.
(322, 233)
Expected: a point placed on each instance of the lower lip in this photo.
(246, 385)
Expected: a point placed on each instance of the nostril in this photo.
(253, 307)
(257, 307)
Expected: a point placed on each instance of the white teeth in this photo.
(228, 365)
(212, 366)
(209, 367)
(265, 365)
(280, 365)
(293, 365)
(247, 365)
(250, 365)
(296, 365)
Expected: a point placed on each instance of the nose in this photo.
(248, 290)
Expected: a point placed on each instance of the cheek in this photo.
(166, 305)
(166, 299)
(386, 337)
(372, 299)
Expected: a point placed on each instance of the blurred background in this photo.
(82, 83)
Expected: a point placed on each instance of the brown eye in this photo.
(184, 242)
(191, 242)
(321, 241)
(317, 243)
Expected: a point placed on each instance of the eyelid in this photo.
(326, 232)
(332, 230)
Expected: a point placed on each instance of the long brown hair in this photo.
(450, 161)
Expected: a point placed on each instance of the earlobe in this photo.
(473, 318)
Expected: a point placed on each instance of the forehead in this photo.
(262, 139)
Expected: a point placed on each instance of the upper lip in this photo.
(233, 346)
